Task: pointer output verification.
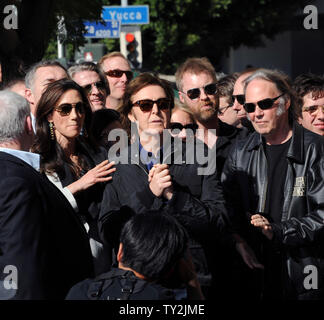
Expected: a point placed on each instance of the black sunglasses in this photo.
(147, 104)
(99, 85)
(239, 97)
(116, 73)
(66, 108)
(263, 104)
(180, 127)
(194, 93)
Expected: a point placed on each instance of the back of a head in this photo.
(152, 244)
(13, 112)
(101, 119)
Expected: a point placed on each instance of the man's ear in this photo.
(29, 96)
(120, 252)
(29, 126)
(181, 98)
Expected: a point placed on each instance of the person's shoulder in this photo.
(79, 291)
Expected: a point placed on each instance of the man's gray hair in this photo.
(30, 75)
(282, 83)
(89, 66)
(14, 110)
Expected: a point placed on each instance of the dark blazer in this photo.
(39, 235)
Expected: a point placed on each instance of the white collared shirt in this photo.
(33, 159)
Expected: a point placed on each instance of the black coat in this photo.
(197, 201)
(300, 234)
(39, 234)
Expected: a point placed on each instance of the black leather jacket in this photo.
(300, 235)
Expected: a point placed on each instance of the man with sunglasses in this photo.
(238, 100)
(197, 84)
(310, 89)
(89, 76)
(118, 72)
(273, 184)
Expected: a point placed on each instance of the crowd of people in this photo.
(120, 187)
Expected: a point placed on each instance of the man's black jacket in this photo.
(40, 235)
(300, 235)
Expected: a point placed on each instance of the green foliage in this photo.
(182, 28)
(179, 29)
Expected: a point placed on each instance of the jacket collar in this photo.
(296, 148)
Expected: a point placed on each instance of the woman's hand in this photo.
(97, 174)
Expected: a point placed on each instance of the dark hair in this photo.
(52, 155)
(308, 83)
(225, 85)
(143, 80)
(101, 119)
(153, 243)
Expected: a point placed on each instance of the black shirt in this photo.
(277, 168)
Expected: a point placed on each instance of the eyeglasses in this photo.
(239, 97)
(99, 85)
(180, 127)
(194, 93)
(263, 104)
(222, 110)
(147, 104)
(313, 109)
(116, 73)
(66, 108)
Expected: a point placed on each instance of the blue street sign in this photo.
(127, 15)
(99, 30)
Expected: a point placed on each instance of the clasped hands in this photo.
(160, 181)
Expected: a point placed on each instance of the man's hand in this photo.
(248, 255)
(160, 181)
(263, 223)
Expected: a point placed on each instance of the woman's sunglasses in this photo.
(180, 127)
(119, 73)
(147, 104)
(194, 93)
(99, 85)
(66, 108)
(263, 104)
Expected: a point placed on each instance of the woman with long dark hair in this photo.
(70, 157)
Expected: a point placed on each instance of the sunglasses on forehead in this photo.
(147, 104)
(263, 104)
(180, 127)
(194, 93)
(239, 97)
(66, 108)
(99, 85)
(119, 73)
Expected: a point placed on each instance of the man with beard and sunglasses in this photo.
(90, 78)
(273, 184)
(197, 84)
(118, 72)
(196, 81)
